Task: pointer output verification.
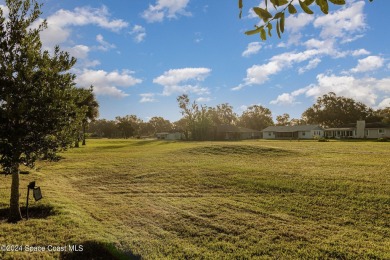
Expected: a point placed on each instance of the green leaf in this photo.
(323, 4)
(278, 15)
(282, 23)
(262, 13)
(338, 2)
(240, 7)
(279, 2)
(269, 26)
(308, 2)
(278, 29)
(252, 32)
(305, 8)
(263, 35)
(291, 9)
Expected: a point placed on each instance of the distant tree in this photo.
(196, 117)
(188, 110)
(159, 124)
(222, 114)
(146, 129)
(296, 121)
(38, 110)
(384, 115)
(333, 111)
(277, 17)
(128, 125)
(89, 102)
(182, 126)
(256, 117)
(104, 128)
(283, 120)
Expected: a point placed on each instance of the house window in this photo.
(269, 133)
(303, 133)
(381, 131)
(367, 133)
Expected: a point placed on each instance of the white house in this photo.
(170, 136)
(360, 129)
(293, 132)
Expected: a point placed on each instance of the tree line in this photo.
(199, 121)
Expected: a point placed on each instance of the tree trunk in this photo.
(15, 214)
(83, 134)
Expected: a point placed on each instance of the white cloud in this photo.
(312, 64)
(366, 90)
(139, 33)
(147, 98)
(203, 99)
(259, 74)
(369, 63)
(284, 99)
(343, 23)
(60, 23)
(174, 81)
(294, 23)
(165, 9)
(104, 46)
(385, 103)
(251, 49)
(360, 52)
(79, 51)
(107, 83)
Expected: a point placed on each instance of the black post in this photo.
(31, 185)
(28, 194)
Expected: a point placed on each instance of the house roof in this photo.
(294, 128)
(234, 129)
(373, 125)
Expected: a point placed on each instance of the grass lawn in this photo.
(211, 200)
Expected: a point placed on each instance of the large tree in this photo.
(222, 114)
(197, 117)
(38, 113)
(256, 117)
(159, 124)
(333, 111)
(273, 16)
(283, 120)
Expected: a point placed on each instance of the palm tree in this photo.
(89, 102)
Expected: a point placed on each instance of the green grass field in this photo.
(210, 200)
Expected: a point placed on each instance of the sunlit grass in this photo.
(156, 199)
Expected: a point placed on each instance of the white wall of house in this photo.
(268, 135)
(377, 133)
(360, 129)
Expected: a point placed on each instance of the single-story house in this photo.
(232, 132)
(293, 132)
(360, 129)
(170, 136)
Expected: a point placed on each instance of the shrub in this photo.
(323, 139)
(383, 139)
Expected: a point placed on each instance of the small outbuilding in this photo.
(170, 136)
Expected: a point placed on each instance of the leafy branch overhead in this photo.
(278, 16)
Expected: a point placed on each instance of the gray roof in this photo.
(234, 129)
(294, 128)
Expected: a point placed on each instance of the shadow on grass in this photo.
(97, 250)
(34, 212)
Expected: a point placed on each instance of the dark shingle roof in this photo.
(294, 128)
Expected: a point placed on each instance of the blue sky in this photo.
(140, 55)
